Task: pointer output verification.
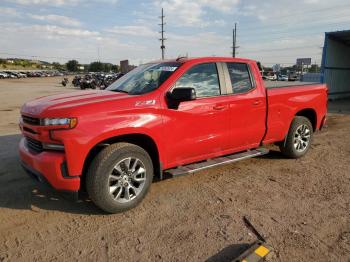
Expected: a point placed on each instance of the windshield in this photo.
(144, 78)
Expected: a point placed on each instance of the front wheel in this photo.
(119, 177)
(299, 138)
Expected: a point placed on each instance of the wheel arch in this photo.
(142, 140)
(310, 114)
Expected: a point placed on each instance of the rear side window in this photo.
(240, 77)
(203, 78)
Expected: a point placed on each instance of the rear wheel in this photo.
(119, 177)
(299, 138)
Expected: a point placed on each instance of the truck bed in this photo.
(280, 84)
(284, 103)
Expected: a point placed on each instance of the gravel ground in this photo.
(301, 206)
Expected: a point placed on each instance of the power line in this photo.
(162, 39)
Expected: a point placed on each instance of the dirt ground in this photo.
(301, 206)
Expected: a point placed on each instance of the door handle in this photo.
(219, 107)
(256, 102)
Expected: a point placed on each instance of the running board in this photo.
(191, 168)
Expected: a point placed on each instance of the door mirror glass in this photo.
(180, 94)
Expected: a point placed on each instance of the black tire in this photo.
(288, 147)
(98, 176)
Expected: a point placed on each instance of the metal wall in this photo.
(311, 77)
(336, 64)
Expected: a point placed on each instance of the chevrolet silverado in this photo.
(169, 117)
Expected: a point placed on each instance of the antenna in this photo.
(162, 39)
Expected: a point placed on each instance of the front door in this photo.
(200, 128)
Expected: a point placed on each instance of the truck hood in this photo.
(68, 101)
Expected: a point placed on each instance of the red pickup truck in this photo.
(169, 117)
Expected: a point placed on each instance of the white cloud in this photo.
(52, 31)
(59, 19)
(133, 30)
(193, 13)
(8, 11)
(46, 2)
(312, 1)
(220, 5)
(58, 43)
(199, 44)
(62, 31)
(59, 2)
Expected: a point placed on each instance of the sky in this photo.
(273, 32)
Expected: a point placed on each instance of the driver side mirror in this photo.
(178, 95)
(182, 94)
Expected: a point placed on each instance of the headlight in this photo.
(64, 122)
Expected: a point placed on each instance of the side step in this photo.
(191, 168)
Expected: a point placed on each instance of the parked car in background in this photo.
(32, 73)
(271, 76)
(21, 74)
(292, 76)
(3, 75)
(175, 117)
(282, 78)
(11, 74)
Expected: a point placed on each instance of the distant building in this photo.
(10, 61)
(81, 68)
(125, 67)
(335, 67)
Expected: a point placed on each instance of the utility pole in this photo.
(162, 39)
(234, 41)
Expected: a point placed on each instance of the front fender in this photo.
(79, 142)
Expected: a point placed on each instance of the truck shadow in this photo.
(19, 191)
(273, 154)
(229, 253)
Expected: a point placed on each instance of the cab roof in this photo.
(204, 59)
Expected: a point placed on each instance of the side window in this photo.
(203, 78)
(240, 77)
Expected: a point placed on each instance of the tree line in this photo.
(74, 66)
(71, 65)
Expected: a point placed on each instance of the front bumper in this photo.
(48, 166)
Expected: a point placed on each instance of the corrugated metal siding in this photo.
(338, 81)
(311, 77)
(336, 71)
(338, 54)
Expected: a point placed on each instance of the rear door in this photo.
(247, 106)
(200, 128)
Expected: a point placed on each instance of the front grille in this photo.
(31, 120)
(29, 130)
(34, 145)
